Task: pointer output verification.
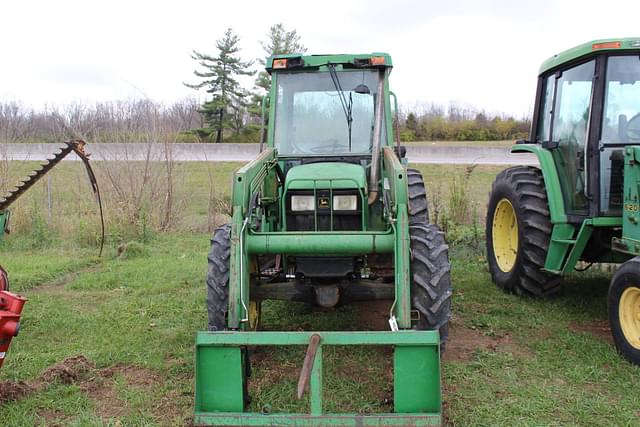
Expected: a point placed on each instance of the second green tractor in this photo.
(581, 203)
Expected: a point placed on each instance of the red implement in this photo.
(10, 309)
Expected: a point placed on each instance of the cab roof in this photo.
(592, 47)
(299, 61)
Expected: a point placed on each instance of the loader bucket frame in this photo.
(220, 368)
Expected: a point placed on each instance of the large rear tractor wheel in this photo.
(518, 233)
(430, 279)
(624, 310)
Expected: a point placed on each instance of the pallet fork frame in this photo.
(220, 377)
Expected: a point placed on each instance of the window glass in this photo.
(570, 129)
(622, 99)
(620, 125)
(311, 118)
(544, 120)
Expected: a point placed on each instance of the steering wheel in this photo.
(323, 147)
(632, 129)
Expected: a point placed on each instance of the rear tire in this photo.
(624, 310)
(218, 278)
(518, 233)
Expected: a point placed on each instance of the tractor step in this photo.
(221, 368)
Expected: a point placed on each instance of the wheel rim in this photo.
(505, 235)
(629, 315)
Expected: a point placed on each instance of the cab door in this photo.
(620, 126)
(564, 129)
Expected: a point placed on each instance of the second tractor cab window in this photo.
(620, 125)
(325, 113)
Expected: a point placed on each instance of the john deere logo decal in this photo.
(323, 202)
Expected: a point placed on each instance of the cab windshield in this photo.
(311, 118)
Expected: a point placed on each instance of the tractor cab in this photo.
(587, 111)
(329, 116)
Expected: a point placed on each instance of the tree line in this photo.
(231, 112)
(435, 122)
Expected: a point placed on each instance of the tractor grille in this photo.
(324, 217)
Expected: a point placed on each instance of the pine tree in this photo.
(220, 80)
(279, 41)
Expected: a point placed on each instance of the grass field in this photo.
(128, 322)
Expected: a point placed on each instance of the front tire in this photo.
(624, 310)
(430, 279)
(218, 278)
(418, 200)
(518, 232)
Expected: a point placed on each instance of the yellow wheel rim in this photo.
(629, 315)
(254, 315)
(505, 235)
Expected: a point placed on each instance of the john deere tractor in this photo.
(327, 214)
(581, 203)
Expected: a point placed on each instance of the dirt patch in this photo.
(70, 371)
(60, 282)
(103, 392)
(99, 384)
(372, 315)
(464, 342)
(53, 418)
(13, 391)
(598, 328)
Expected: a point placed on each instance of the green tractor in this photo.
(328, 214)
(581, 203)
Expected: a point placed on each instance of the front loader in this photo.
(327, 214)
(582, 202)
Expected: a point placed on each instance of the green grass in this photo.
(510, 360)
(143, 312)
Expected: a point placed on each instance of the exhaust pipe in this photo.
(377, 137)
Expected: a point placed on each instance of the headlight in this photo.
(302, 203)
(345, 203)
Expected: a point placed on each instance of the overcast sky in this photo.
(480, 53)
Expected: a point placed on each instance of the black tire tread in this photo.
(527, 183)
(218, 278)
(430, 279)
(418, 201)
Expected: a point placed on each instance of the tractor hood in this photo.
(334, 175)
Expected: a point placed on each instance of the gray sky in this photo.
(482, 53)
